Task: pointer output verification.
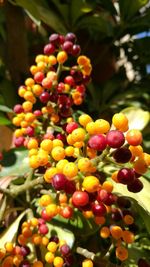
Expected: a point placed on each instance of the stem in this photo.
(86, 253)
(59, 70)
(3, 208)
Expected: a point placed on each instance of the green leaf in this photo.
(108, 5)
(5, 109)
(7, 89)
(141, 199)
(4, 120)
(15, 162)
(138, 118)
(40, 10)
(128, 8)
(11, 233)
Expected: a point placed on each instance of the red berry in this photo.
(49, 49)
(43, 229)
(97, 142)
(44, 97)
(76, 50)
(67, 46)
(98, 209)
(125, 176)
(67, 212)
(70, 187)
(69, 80)
(45, 216)
(54, 39)
(80, 198)
(18, 109)
(39, 76)
(61, 87)
(59, 181)
(71, 126)
(65, 249)
(37, 113)
(115, 138)
(25, 263)
(30, 131)
(19, 141)
(25, 251)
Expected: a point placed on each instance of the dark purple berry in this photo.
(115, 138)
(136, 186)
(76, 50)
(25, 263)
(143, 263)
(54, 39)
(67, 46)
(122, 155)
(25, 251)
(54, 239)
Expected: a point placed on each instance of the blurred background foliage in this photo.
(114, 34)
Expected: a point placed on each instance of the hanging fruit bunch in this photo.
(70, 154)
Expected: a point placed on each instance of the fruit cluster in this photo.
(34, 231)
(73, 154)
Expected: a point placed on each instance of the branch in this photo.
(84, 252)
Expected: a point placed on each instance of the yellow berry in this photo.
(50, 172)
(49, 257)
(91, 184)
(87, 263)
(58, 261)
(102, 126)
(45, 200)
(62, 57)
(58, 153)
(52, 247)
(46, 144)
(51, 210)
(104, 232)
(78, 134)
(84, 119)
(70, 170)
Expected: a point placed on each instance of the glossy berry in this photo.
(122, 155)
(70, 187)
(71, 126)
(97, 142)
(70, 36)
(65, 249)
(80, 198)
(54, 239)
(44, 97)
(30, 131)
(39, 76)
(98, 209)
(67, 46)
(25, 263)
(54, 39)
(115, 138)
(125, 176)
(59, 181)
(136, 186)
(43, 229)
(76, 50)
(49, 49)
(18, 109)
(19, 141)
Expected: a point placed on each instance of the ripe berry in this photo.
(30, 131)
(67, 46)
(18, 109)
(54, 239)
(136, 186)
(76, 50)
(70, 187)
(43, 229)
(65, 249)
(125, 176)
(54, 39)
(25, 263)
(70, 36)
(19, 141)
(39, 76)
(44, 97)
(97, 142)
(25, 251)
(134, 137)
(67, 212)
(80, 198)
(143, 263)
(69, 80)
(115, 138)
(71, 126)
(98, 209)
(59, 181)
(49, 49)
(122, 155)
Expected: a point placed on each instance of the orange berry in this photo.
(91, 184)
(49, 257)
(84, 119)
(69, 151)
(121, 253)
(61, 164)
(7, 262)
(83, 60)
(33, 152)
(104, 232)
(114, 176)
(9, 247)
(78, 134)
(58, 261)
(102, 126)
(37, 89)
(39, 58)
(91, 153)
(70, 170)
(45, 241)
(28, 96)
(120, 121)
(55, 118)
(27, 232)
(22, 240)
(134, 137)
(27, 106)
(146, 158)
(87, 263)
(62, 57)
(16, 121)
(99, 220)
(33, 162)
(140, 166)
(33, 69)
(2, 253)
(84, 164)
(38, 264)
(34, 222)
(32, 143)
(128, 219)
(136, 150)
(88, 214)
(52, 60)
(116, 231)
(58, 153)
(128, 237)
(29, 82)
(45, 200)
(70, 140)
(36, 239)
(46, 145)
(51, 210)
(29, 117)
(108, 186)
(52, 247)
